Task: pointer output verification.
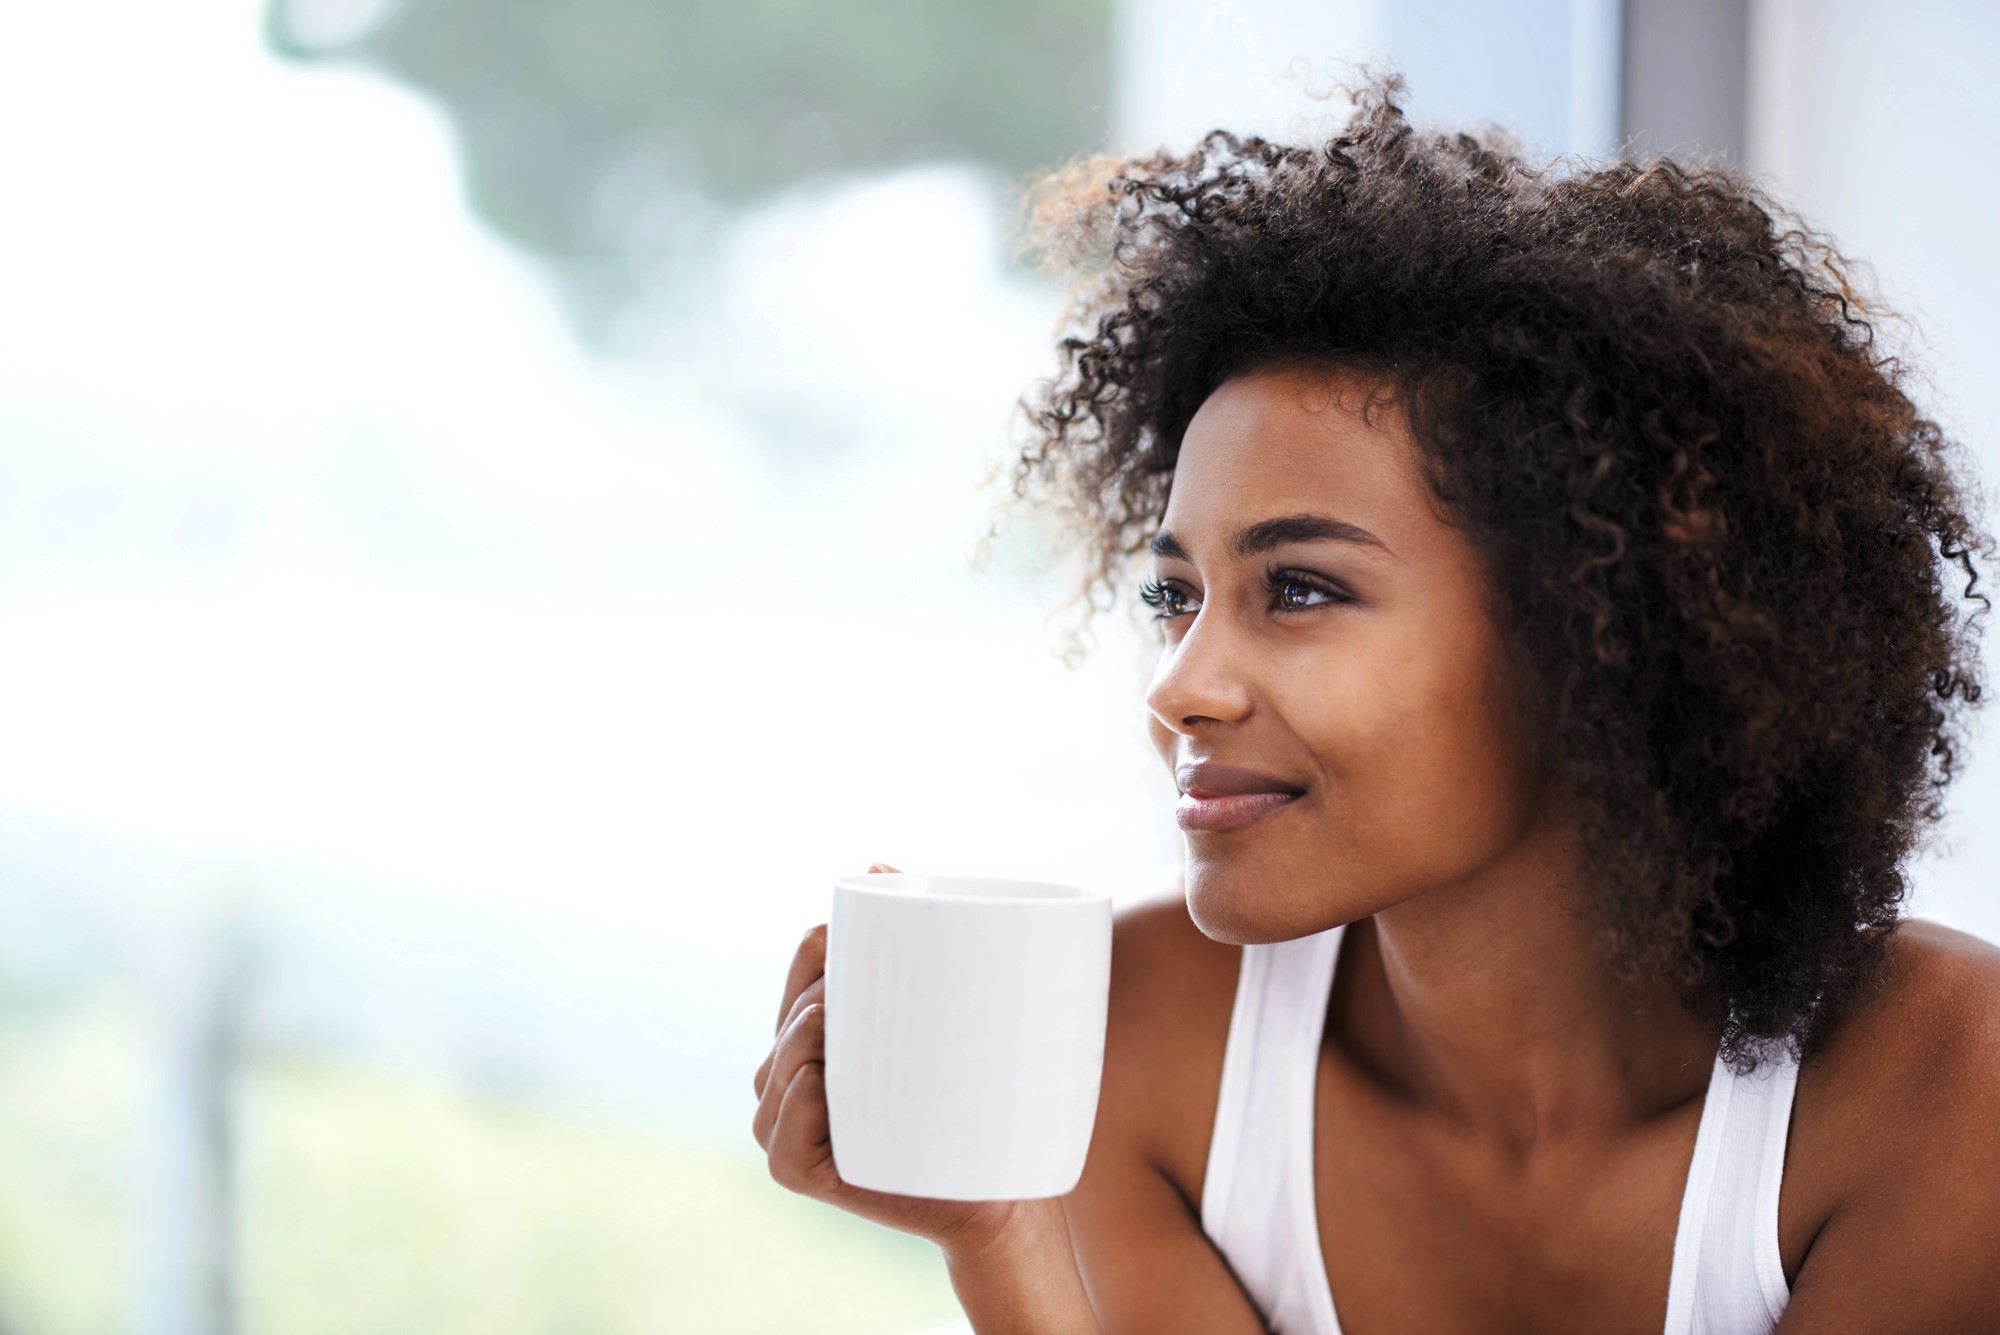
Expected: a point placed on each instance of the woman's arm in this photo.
(1148, 1267)
(1024, 1281)
(1151, 1270)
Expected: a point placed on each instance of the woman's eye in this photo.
(1170, 600)
(1293, 591)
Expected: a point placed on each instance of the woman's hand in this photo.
(791, 1123)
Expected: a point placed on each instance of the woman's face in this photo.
(1346, 655)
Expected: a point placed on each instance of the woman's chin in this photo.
(1237, 906)
(1234, 909)
(1226, 927)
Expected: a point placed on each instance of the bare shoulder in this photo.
(1159, 956)
(1926, 1024)
(1896, 1133)
(1172, 989)
(1946, 975)
(1134, 1216)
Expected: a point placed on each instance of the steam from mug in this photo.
(964, 1033)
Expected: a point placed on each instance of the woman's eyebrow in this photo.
(1269, 533)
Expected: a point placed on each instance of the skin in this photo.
(1501, 1133)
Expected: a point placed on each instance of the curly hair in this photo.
(1717, 530)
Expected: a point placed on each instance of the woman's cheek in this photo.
(1465, 790)
(1422, 795)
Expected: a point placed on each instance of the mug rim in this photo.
(882, 883)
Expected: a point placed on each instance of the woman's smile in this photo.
(1218, 797)
(1228, 812)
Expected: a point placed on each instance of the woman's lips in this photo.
(1228, 811)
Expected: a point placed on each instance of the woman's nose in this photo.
(1199, 680)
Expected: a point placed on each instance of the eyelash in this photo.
(1155, 594)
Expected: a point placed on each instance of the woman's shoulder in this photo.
(1894, 1124)
(1929, 1016)
(1172, 986)
(1135, 1214)
(1172, 989)
(1155, 932)
(1918, 1049)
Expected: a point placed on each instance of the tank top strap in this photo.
(1728, 1277)
(1257, 1193)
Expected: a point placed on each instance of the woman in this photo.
(1562, 655)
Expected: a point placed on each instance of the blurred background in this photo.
(486, 497)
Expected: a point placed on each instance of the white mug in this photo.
(964, 1033)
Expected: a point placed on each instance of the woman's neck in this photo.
(1490, 1003)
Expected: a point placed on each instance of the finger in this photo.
(803, 1041)
(801, 1152)
(815, 992)
(808, 963)
(880, 866)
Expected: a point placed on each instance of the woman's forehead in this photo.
(1295, 440)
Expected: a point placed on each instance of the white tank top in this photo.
(1257, 1192)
